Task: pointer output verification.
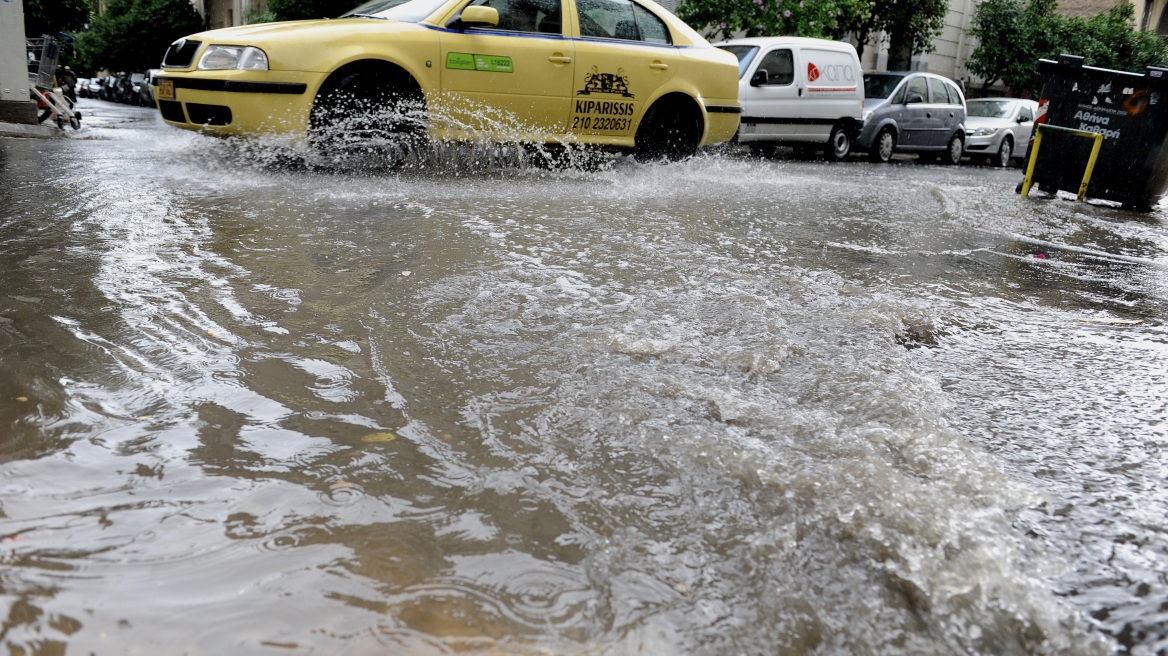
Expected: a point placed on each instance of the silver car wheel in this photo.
(884, 146)
(956, 147)
(1005, 151)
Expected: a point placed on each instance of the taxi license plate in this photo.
(166, 89)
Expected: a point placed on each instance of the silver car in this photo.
(912, 112)
(999, 128)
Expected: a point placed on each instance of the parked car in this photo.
(109, 86)
(999, 128)
(802, 92)
(93, 87)
(622, 74)
(82, 87)
(912, 112)
(146, 95)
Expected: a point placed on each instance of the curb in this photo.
(31, 131)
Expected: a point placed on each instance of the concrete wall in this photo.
(13, 58)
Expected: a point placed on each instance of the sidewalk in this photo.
(43, 131)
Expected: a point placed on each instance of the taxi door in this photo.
(513, 79)
(771, 105)
(623, 55)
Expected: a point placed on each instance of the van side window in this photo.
(652, 29)
(919, 86)
(940, 93)
(780, 68)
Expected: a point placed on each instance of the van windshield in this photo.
(878, 85)
(745, 55)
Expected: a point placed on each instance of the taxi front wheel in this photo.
(367, 114)
(670, 130)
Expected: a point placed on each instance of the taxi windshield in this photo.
(880, 86)
(744, 54)
(410, 11)
(990, 108)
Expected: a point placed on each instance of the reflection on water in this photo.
(722, 406)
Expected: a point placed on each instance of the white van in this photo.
(806, 93)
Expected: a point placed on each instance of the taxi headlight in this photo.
(981, 132)
(233, 57)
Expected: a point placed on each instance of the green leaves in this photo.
(829, 19)
(132, 35)
(1014, 34)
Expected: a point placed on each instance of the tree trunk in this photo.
(899, 52)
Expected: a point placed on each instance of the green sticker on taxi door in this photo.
(467, 62)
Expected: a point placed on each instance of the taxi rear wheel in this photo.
(367, 113)
(671, 130)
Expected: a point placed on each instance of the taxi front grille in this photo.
(209, 114)
(180, 54)
(172, 111)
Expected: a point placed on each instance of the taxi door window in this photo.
(940, 93)
(652, 29)
(541, 16)
(780, 68)
(608, 19)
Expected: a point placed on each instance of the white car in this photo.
(998, 129)
(806, 93)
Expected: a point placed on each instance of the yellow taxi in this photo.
(623, 74)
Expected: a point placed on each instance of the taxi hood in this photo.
(249, 34)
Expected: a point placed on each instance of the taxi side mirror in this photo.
(759, 78)
(478, 15)
(913, 98)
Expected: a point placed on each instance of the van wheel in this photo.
(883, 146)
(954, 150)
(839, 144)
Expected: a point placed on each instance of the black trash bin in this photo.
(1129, 110)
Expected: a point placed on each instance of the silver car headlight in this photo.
(981, 132)
(247, 58)
(866, 116)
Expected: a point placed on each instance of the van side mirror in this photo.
(478, 16)
(913, 98)
(759, 78)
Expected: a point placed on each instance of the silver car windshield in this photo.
(745, 55)
(989, 108)
(410, 11)
(880, 86)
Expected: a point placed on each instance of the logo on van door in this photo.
(832, 72)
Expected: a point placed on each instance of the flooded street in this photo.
(725, 406)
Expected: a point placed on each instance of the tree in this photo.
(1014, 34)
(132, 35)
(909, 25)
(830, 19)
(51, 16)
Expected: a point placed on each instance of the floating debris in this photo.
(379, 437)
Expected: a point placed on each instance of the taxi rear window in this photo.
(620, 19)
